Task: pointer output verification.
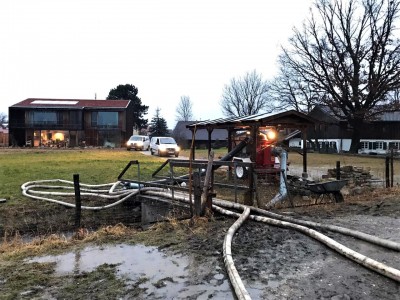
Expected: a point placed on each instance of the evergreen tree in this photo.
(158, 125)
(129, 92)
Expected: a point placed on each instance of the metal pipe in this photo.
(283, 192)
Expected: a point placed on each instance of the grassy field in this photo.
(21, 216)
(93, 166)
(97, 166)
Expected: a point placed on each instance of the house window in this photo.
(379, 145)
(394, 145)
(364, 145)
(105, 119)
(37, 118)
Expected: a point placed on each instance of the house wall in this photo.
(4, 139)
(367, 146)
(331, 145)
(389, 130)
(75, 125)
(295, 143)
(377, 137)
(378, 146)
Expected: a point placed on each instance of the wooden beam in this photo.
(304, 134)
(209, 131)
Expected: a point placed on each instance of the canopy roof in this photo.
(285, 119)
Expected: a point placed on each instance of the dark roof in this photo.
(290, 118)
(71, 103)
(390, 116)
(182, 130)
(330, 117)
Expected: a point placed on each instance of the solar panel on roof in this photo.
(54, 102)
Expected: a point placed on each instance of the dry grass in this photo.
(14, 245)
(380, 194)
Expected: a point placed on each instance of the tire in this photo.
(151, 151)
(240, 172)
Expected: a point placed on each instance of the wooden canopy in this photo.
(283, 119)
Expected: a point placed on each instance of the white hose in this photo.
(350, 232)
(353, 255)
(112, 193)
(233, 274)
(346, 231)
(125, 194)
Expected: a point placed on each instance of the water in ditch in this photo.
(161, 275)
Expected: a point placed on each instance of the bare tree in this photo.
(184, 111)
(245, 96)
(3, 119)
(289, 90)
(348, 50)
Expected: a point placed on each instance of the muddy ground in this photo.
(180, 261)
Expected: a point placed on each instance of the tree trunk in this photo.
(357, 125)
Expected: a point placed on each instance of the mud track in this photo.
(277, 263)
(274, 263)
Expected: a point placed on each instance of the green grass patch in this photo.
(93, 166)
(375, 164)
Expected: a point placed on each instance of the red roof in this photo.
(71, 103)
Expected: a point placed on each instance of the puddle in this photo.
(167, 276)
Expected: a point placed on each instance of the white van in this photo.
(164, 146)
(138, 142)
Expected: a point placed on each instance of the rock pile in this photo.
(359, 180)
(355, 176)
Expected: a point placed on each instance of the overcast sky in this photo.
(76, 49)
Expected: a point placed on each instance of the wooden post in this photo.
(338, 170)
(230, 132)
(391, 167)
(209, 131)
(248, 196)
(387, 171)
(235, 180)
(77, 202)
(197, 193)
(253, 143)
(304, 132)
(192, 146)
(207, 179)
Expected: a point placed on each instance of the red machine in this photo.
(265, 143)
(265, 161)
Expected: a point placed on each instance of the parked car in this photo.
(164, 146)
(138, 142)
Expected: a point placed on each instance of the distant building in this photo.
(70, 122)
(334, 135)
(183, 136)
